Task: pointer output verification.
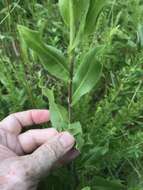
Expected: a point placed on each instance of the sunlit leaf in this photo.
(86, 188)
(52, 59)
(87, 75)
(80, 7)
(95, 9)
(76, 130)
(80, 29)
(81, 17)
(74, 15)
(64, 10)
(140, 34)
(59, 119)
(58, 113)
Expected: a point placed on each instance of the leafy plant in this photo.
(78, 80)
(110, 113)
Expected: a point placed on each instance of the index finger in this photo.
(16, 121)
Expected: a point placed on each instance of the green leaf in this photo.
(103, 184)
(86, 188)
(59, 117)
(81, 17)
(140, 35)
(79, 9)
(64, 10)
(81, 26)
(95, 9)
(52, 59)
(74, 15)
(76, 130)
(87, 75)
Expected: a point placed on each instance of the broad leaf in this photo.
(76, 130)
(58, 116)
(94, 10)
(80, 7)
(64, 10)
(80, 26)
(86, 188)
(81, 16)
(59, 119)
(74, 14)
(52, 59)
(87, 74)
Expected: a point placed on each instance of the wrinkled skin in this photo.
(26, 157)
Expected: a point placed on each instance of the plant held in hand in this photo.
(80, 16)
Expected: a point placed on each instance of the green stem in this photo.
(71, 60)
(71, 56)
(70, 86)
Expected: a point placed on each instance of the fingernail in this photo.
(73, 154)
(67, 140)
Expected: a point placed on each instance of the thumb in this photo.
(44, 158)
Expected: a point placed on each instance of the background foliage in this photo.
(111, 115)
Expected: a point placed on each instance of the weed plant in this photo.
(111, 115)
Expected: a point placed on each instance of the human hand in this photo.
(26, 157)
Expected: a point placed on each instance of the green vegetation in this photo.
(111, 115)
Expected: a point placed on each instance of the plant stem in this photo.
(72, 168)
(70, 91)
(71, 60)
(70, 86)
